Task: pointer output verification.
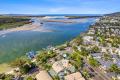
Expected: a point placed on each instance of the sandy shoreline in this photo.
(5, 68)
(66, 20)
(38, 27)
(27, 27)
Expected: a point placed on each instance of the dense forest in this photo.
(12, 22)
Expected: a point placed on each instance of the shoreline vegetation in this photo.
(79, 17)
(7, 22)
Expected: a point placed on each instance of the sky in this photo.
(59, 6)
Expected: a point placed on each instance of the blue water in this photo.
(16, 44)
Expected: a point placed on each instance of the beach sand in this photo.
(27, 27)
(4, 68)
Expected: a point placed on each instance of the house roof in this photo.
(105, 64)
(87, 38)
(43, 75)
(60, 65)
(74, 76)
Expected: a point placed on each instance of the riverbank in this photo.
(65, 20)
(27, 27)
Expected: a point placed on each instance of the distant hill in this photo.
(114, 14)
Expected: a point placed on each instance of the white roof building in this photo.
(88, 39)
(118, 51)
(103, 49)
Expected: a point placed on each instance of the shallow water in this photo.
(16, 44)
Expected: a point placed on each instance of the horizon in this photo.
(41, 7)
(57, 14)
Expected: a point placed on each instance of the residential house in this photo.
(43, 75)
(74, 76)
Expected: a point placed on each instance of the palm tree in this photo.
(56, 78)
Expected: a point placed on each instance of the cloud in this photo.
(55, 10)
(60, 6)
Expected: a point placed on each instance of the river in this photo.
(16, 44)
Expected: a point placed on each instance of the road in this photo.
(98, 71)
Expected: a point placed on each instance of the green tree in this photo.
(95, 49)
(51, 54)
(76, 60)
(75, 48)
(30, 78)
(23, 64)
(68, 44)
(78, 40)
(27, 67)
(84, 52)
(114, 68)
(18, 62)
(42, 57)
(107, 57)
(56, 78)
(86, 74)
(8, 77)
(93, 62)
(47, 66)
